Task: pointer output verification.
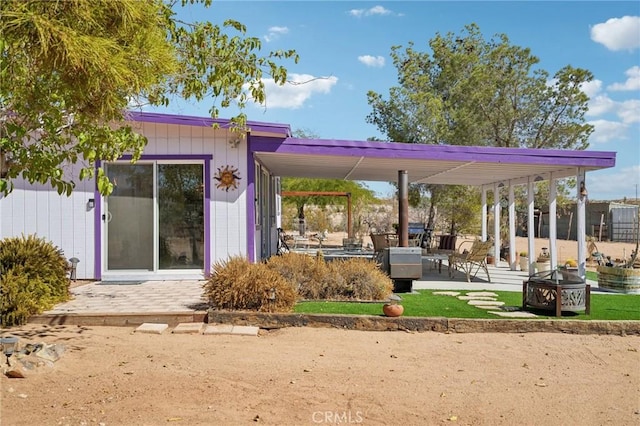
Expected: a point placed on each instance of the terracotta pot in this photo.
(392, 309)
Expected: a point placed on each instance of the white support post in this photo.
(531, 230)
(496, 223)
(512, 229)
(553, 226)
(581, 233)
(483, 202)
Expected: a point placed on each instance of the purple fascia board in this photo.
(436, 152)
(188, 120)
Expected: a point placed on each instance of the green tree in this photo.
(70, 69)
(473, 91)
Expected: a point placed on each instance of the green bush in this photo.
(237, 284)
(34, 276)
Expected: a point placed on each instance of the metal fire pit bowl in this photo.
(556, 291)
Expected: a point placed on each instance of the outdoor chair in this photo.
(446, 244)
(471, 261)
(381, 242)
(416, 241)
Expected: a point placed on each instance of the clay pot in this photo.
(392, 309)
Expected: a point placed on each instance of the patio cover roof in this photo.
(434, 164)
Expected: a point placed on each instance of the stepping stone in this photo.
(485, 303)
(476, 298)
(188, 328)
(515, 314)
(446, 293)
(218, 329)
(482, 294)
(151, 328)
(485, 307)
(245, 330)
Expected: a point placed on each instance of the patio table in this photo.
(435, 257)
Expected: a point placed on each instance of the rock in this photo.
(16, 372)
(51, 352)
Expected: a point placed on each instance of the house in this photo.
(172, 214)
(201, 194)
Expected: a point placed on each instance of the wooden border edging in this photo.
(421, 324)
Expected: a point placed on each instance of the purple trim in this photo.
(251, 198)
(97, 219)
(97, 226)
(207, 215)
(186, 120)
(390, 150)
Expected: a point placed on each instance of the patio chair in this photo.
(472, 261)
(446, 244)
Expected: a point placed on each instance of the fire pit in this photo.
(556, 291)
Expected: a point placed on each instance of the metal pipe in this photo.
(403, 208)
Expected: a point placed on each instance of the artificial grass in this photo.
(424, 303)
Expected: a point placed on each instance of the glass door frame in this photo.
(101, 227)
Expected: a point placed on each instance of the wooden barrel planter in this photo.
(619, 280)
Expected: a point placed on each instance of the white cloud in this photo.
(618, 33)
(629, 111)
(372, 61)
(275, 33)
(632, 82)
(606, 131)
(591, 88)
(600, 105)
(375, 10)
(298, 89)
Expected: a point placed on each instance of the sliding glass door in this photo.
(155, 216)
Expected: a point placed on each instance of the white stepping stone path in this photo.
(515, 314)
(476, 298)
(446, 293)
(189, 328)
(485, 303)
(482, 294)
(151, 328)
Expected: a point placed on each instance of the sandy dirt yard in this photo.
(306, 376)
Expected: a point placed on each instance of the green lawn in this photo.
(425, 304)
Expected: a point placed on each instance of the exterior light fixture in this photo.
(583, 191)
(91, 203)
(9, 345)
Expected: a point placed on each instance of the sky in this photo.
(345, 47)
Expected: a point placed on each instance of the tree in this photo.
(70, 69)
(360, 194)
(472, 91)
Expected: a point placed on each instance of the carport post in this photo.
(403, 208)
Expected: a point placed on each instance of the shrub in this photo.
(236, 284)
(362, 280)
(302, 271)
(33, 278)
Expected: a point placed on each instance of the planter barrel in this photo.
(619, 280)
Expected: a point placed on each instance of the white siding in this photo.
(65, 221)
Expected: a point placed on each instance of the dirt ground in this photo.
(307, 376)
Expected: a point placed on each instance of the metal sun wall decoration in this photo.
(228, 178)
